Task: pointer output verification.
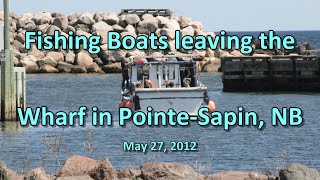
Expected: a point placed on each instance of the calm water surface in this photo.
(241, 149)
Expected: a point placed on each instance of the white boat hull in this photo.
(189, 100)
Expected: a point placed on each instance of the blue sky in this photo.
(229, 15)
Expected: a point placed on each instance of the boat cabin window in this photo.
(171, 75)
(142, 73)
(168, 73)
(187, 76)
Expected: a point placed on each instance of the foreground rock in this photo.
(236, 175)
(86, 177)
(299, 172)
(8, 173)
(129, 174)
(81, 166)
(38, 174)
(164, 171)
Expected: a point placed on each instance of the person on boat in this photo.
(125, 74)
(169, 84)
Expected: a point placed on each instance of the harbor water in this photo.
(243, 148)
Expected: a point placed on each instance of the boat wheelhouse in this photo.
(164, 84)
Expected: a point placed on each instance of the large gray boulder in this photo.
(56, 14)
(15, 60)
(86, 177)
(111, 19)
(122, 20)
(36, 53)
(73, 16)
(69, 28)
(13, 25)
(57, 56)
(147, 26)
(52, 29)
(136, 52)
(31, 26)
(236, 175)
(48, 69)
(29, 58)
(61, 22)
(70, 57)
(172, 24)
(184, 21)
(298, 172)
(147, 16)
(84, 59)
(83, 33)
(80, 166)
(24, 20)
(117, 55)
(47, 61)
(170, 33)
(157, 59)
(94, 68)
(19, 46)
(132, 19)
(12, 15)
(86, 18)
(21, 37)
(164, 171)
(97, 17)
(42, 18)
(101, 26)
(105, 170)
(130, 29)
(188, 31)
(210, 66)
(196, 25)
(31, 66)
(103, 35)
(128, 174)
(78, 69)
(43, 28)
(83, 27)
(64, 67)
(112, 68)
(117, 28)
(162, 21)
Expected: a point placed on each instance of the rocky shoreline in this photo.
(80, 167)
(107, 61)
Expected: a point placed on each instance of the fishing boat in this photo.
(165, 84)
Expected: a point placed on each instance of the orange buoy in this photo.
(149, 83)
(211, 106)
(122, 104)
(129, 105)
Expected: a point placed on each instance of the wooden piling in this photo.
(12, 79)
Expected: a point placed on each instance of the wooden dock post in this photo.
(12, 85)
